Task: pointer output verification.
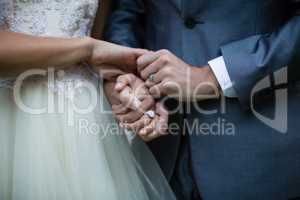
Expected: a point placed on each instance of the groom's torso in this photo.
(195, 29)
(256, 162)
(253, 160)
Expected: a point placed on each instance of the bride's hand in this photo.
(110, 57)
(141, 115)
(158, 126)
(133, 95)
(150, 128)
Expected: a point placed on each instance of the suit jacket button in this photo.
(190, 23)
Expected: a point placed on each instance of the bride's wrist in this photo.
(88, 45)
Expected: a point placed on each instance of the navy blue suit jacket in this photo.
(259, 39)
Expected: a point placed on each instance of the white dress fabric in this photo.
(53, 144)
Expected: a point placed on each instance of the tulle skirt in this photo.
(47, 154)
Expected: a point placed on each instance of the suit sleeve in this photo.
(125, 25)
(256, 57)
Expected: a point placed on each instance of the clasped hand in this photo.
(158, 74)
(136, 109)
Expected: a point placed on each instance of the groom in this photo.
(245, 145)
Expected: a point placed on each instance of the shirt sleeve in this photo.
(218, 67)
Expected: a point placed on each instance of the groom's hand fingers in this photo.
(158, 90)
(152, 68)
(158, 77)
(146, 59)
(166, 88)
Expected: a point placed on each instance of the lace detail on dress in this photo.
(6, 12)
(76, 19)
(72, 18)
(29, 18)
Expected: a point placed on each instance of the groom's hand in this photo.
(167, 75)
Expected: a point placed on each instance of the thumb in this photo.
(120, 86)
(124, 81)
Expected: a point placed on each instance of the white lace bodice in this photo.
(66, 18)
(59, 18)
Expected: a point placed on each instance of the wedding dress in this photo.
(58, 138)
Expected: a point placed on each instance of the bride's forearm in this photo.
(20, 50)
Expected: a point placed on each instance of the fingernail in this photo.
(143, 132)
(118, 86)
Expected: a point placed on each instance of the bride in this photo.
(57, 139)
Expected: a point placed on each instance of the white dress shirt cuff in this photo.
(218, 66)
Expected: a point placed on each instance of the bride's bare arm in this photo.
(20, 50)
